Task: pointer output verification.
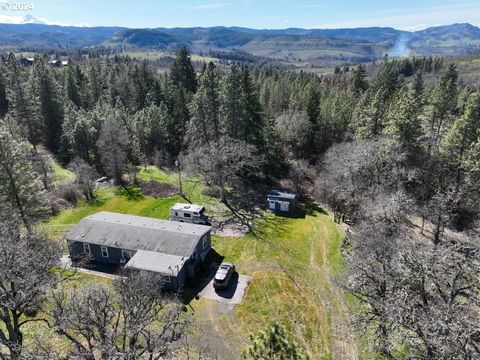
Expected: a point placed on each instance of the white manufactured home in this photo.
(189, 213)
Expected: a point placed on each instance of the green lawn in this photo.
(294, 266)
(60, 174)
(118, 200)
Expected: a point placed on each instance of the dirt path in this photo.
(344, 342)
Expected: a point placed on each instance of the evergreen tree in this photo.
(20, 188)
(72, 87)
(358, 83)
(404, 122)
(442, 107)
(48, 103)
(179, 117)
(471, 166)
(312, 104)
(182, 73)
(273, 343)
(205, 108)
(79, 135)
(464, 132)
(95, 82)
(143, 82)
(20, 103)
(231, 108)
(3, 92)
(369, 117)
(150, 129)
(251, 118)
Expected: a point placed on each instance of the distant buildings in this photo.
(29, 61)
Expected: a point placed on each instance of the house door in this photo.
(126, 255)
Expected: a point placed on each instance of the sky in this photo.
(259, 14)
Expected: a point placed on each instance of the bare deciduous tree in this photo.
(84, 176)
(26, 275)
(113, 144)
(232, 166)
(135, 319)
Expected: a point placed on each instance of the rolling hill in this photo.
(294, 44)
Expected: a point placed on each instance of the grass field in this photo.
(294, 266)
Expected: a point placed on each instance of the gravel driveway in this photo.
(232, 295)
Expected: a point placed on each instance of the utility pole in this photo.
(177, 164)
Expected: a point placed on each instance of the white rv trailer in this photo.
(190, 213)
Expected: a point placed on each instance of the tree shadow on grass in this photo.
(130, 192)
(312, 209)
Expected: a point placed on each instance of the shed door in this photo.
(284, 206)
(271, 205)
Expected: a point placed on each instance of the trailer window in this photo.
(187, 215)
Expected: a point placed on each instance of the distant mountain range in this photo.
(355, 44)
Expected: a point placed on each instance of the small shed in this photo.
(281, 201)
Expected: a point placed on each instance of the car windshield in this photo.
(224, 267)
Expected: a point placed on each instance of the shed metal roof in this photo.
(282, 194)
(165, 264)
(131, 232)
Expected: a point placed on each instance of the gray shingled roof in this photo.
(131, 232)
(165, 264)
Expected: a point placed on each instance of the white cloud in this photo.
(414, 19)
(211, 6)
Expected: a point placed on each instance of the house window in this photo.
(86, 249)
(187, 215)
(204, 241)
(104, 251)
(127, 254)
(167, 279)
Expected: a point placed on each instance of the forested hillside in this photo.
(395, 157)
(292, 45)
